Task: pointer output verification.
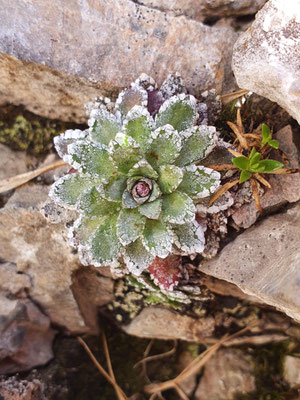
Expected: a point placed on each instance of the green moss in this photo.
(24, 131)
(268, 371)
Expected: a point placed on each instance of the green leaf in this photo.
(268, 166)
(104, 128)
(92, 203)
(165, 146)
(68, 189)
(189, 237)
(105, 246)
(199, 182)
(139, 125)
(131, 97)
(91, 158)
(242, 163)
(84, 227)
(143, 168)
(245, 175)
(156, 193)
(265, 132)
(197, 144)
(170, 177)
(179, 111)
(178, 208)
(113, 190)
(127, 200)
(130, 226)
(137, 258)
(274, 144)
(157, 238)
(151, 210)
(254, 159)
(125, 152)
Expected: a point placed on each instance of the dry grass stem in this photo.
(242, 140)
(18, 180)
(157, 356)
(110, 378)
(222, 190)
(254, 187)
(262, 180)
(229, 97)
(222, 167)
(235, 153)
(194, 366)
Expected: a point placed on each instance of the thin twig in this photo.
(119, 392)
(18, 180)
(156, 356)
(222, 190)
(195, 365)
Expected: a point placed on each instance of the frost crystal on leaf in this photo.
(136, 181)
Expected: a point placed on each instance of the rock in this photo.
(266, 57)
(162, 323)
(228, 373)
(291, 370)
(84, 40)
(15, 389)
(285, 188)
(41, 251)
(202, 9)
(26, 336)
(63, 96)
(264, 262)
(12, 163)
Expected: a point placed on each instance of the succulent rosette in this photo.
(136, 183)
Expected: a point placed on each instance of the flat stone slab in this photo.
(264, 261)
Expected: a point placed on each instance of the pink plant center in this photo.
(141, 189)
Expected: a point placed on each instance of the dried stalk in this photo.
(18, 180)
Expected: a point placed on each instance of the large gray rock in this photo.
(266, 57)
(41, 252)
(202, 9)
(107, 42)
(228, 373)
(264, 261)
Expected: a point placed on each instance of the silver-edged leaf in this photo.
(151, 210)
(178, 208)
(137, 258)
(125, 152)
(198, 142)
(130, 226)
(199, 182)
(189, 237)
(139, 125)
(157, 238)
(105, 127)
(179, 111)
(170, 177)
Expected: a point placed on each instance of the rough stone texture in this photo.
(202, 9)
(26, 336)
(266, 57)
(291, 370)
(13, 389)
(12, 163)
(63, 96)
(162, 323)
(229, 372)
(110, 42)
(41, 250)
(265, 262)
(285, 188)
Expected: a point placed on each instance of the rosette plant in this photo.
(134, 180)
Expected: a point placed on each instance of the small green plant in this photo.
(267, 137)
(253, 165)
(134, 180)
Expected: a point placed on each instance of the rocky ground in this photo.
(250, 269)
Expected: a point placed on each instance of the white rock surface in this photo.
(266, 57)
(291, 370)
(264, 261)
(106, 42)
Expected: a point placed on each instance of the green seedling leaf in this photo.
(254, 159)
(242, 162)
(274, 144)
(268, 166)
(245, 176)
(265, 132)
